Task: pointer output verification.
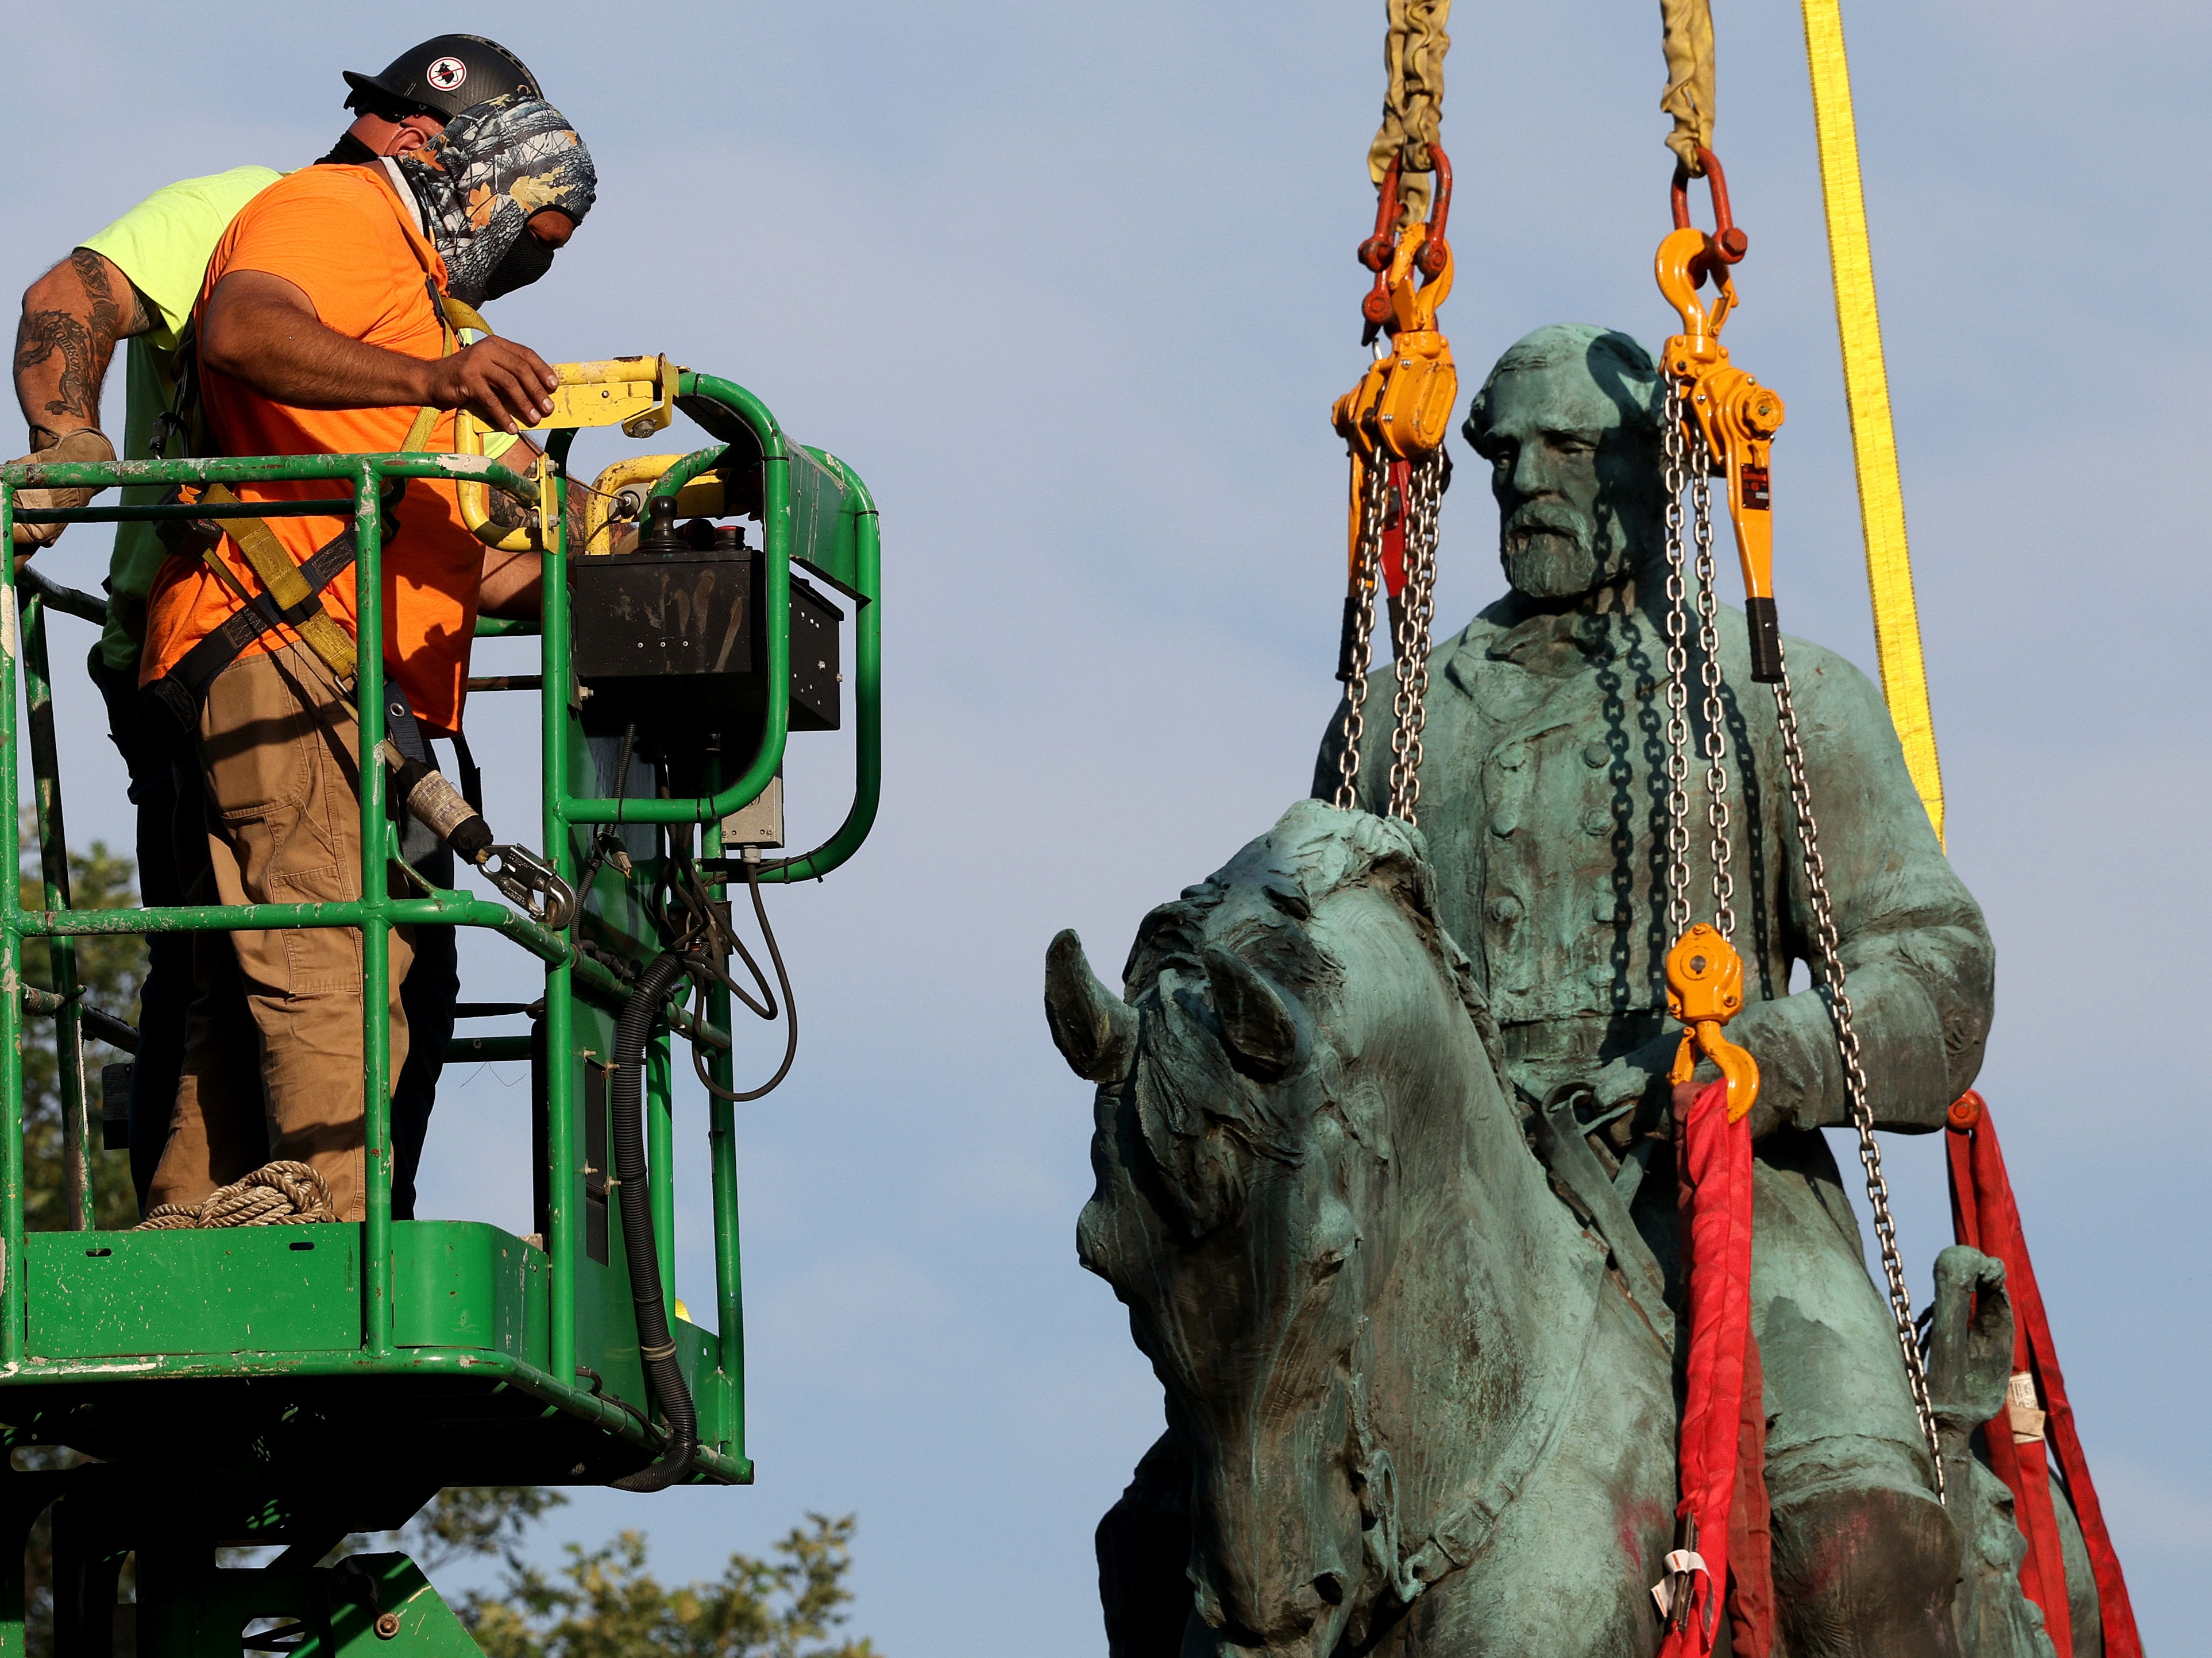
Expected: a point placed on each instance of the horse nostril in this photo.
(1330, 1588)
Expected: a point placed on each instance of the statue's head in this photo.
(1569, 420)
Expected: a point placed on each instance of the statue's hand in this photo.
(1640, 1076)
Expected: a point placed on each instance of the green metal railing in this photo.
(828, 519)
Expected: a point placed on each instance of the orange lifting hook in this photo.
(1735, 415)
(1704, 991)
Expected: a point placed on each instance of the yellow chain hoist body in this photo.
(1704, 991)
(1402, 409)
(1733, 415)
(1403, 403)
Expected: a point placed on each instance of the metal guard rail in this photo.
(568, 971)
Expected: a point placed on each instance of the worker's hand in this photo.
(85, 443)
(506, 385)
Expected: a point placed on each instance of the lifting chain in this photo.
(1424, 495)
(1828, 963)
(1678, 680)
(1716, 410)
(1717, 816)
(1705, 973)
(1372, 483)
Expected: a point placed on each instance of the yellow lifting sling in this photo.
(1866, 386)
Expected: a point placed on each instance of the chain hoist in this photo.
(1722, 424)
(1704, 971)
(1394, 423)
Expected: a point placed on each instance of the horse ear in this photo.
(1094, 1029)
(1253, 1018)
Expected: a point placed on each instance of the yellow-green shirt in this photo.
(162, 246)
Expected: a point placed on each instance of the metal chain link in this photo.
(1678, 673)
(1374, 501)
(1424, 496)
(1709, 672)
(1828, 963)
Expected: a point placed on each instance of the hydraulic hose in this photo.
(656, 1347)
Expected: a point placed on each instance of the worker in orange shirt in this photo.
(323, 331)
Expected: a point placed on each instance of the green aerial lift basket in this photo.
(291, 1384)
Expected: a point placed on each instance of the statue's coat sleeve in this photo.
(1919, 968)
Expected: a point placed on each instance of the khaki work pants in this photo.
(278, 757)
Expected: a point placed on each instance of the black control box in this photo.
(671, 642)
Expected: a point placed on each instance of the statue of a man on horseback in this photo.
(1407, 1402)
(1544, 804)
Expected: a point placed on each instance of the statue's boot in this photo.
(1865, 1573)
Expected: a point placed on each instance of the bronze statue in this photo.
(1417, 1380)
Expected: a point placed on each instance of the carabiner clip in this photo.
(530, 883)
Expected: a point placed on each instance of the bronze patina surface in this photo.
(1383, 1172)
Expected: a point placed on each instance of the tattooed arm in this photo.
(73, 315)
(72, 318)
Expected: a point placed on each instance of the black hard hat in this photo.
(445, 75)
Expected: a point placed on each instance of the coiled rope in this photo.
(274, 1194)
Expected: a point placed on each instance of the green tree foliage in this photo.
(465, 1522)
(109, 971)
(604, 1604)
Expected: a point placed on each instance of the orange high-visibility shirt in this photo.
(342, 236)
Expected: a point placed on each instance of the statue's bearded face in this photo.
(1578, 488)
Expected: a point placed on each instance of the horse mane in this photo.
(1313, 852)
(1204, 1125)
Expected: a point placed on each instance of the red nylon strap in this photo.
(1985, 1217)
(1394, 527)
(1713, 1156)
(1751, 1556)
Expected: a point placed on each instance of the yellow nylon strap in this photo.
(1866, 387)
(1413, 50)
(1687, 38)
(418, 433)
(281, 579)
(452, 316)
(461, 314)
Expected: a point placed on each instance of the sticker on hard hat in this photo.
(446, 73)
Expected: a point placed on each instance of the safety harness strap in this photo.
(286, 584)
(453, 315)
(183, 688)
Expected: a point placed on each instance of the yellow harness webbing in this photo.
(280, 574)
(282, 579)
(1866, 387)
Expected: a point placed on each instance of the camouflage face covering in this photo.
(479, 181)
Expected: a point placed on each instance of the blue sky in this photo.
(1074, 289)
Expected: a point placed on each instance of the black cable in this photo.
(790, 1003)
(720, 940)
(599, 1392)
(608, 838)
(656, 1347)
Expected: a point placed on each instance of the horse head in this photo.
(1300, 1037)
